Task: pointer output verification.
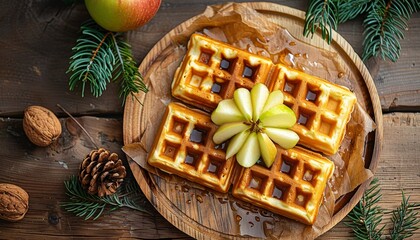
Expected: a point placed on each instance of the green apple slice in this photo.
(236, 143)
(279, 116)
(242, 98)
(284, 137)
(228, 130)
(267, 148)
(275, 98)
(249, 153)
(227, 112)
(259, 95)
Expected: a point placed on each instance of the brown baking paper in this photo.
(247, 29)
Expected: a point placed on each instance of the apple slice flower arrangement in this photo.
(253, 121)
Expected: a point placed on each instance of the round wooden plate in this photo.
(203, 214)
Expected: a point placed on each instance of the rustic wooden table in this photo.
(36, 41)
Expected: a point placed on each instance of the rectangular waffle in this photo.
(212, 70)
(183, 146)
(292, 187)
(322, 109)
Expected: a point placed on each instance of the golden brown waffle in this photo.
(292, 187)
(322, 109)
(183, 146)
(212, 70)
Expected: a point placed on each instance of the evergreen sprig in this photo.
(127, 71)
(321, 14)
(404, 219)
(101, 57)
(350, 9)
(88, 206)
(384, 23)
(366, 217)
(384, 27)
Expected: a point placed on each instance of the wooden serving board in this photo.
(204, 214)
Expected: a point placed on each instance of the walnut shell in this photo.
(14, 202)
(41, 125)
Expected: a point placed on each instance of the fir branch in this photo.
(384, 24)
(404, 219)
(91, 206)
(321, 14)
(92, 61)
(366, 216)
(384, 27)
(100, 57)
(126, 70)
(350, 9)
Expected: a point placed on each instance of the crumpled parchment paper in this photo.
(247, 29)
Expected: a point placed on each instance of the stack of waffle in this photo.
(293, 186)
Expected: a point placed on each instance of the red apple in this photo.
(122, 15)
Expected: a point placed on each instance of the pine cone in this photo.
(101, 172)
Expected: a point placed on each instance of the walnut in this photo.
(14, 202)
(41, 126)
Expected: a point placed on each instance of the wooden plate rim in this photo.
(144, 180)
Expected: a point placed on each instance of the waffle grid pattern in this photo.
(292, 187)
(322, 109)
(184, 147)
(212, 71)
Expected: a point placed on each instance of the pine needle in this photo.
(321, 14)
(366, 216)
(404, 219)
(126, 70)
(350, 9)
(384, 27)
(92, 61)
(384, 22)
(101, 57)
(88, 206)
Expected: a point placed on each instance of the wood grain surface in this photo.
(36, 42)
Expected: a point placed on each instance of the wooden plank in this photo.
(37, 41)
(398, 169)
(36, 46)
(398, 83)
(41, 172)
